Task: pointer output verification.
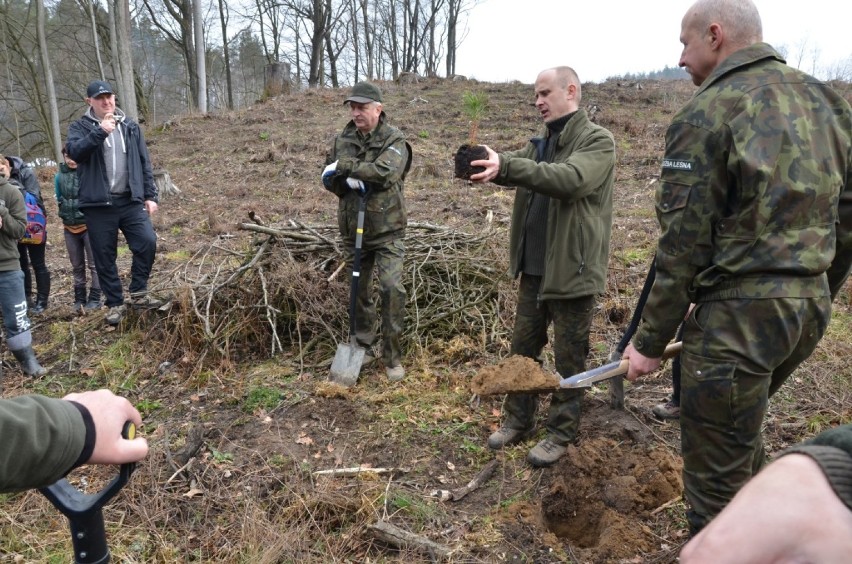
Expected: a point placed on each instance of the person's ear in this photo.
(716, 36)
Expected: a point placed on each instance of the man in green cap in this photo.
(370, 159)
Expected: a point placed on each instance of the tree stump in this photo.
(163, 181)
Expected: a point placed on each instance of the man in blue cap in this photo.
(117, 192)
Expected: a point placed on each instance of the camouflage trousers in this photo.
(387, 259)
(736, 354)
(572, 320)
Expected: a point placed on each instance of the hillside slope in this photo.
(231, 379)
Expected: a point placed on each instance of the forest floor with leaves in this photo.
(256, 457)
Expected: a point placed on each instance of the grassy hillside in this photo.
(231, 380)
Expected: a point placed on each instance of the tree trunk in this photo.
(200, 61)
(277, 79)
(226, 52)
(95, 40)
(53, 133)
(125, 59)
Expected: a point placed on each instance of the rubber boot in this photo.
(42, 279)
(79, 297)
(94, 298)
(29, 364)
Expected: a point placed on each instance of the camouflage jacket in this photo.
(749, 202)
(579, 217)
(381, 159)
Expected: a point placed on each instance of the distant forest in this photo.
(667, 73)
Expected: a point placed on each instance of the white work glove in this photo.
(328, 174)
(355, 184)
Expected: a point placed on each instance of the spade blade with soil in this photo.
(523, 375)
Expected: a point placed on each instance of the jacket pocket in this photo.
(672, 197)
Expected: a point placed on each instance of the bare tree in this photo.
(174, 19)
(53, 131)
(455, 8)
(226, 51)
(124, 61)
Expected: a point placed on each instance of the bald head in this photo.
(739, 19)
(557, 92)
(712, 30)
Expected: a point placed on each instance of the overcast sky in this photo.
(515, 39)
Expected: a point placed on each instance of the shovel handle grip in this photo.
(84, 511)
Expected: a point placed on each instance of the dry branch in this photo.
(289, 287)
(400, 538)
(455, 495)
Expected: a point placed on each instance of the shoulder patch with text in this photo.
(676, 164)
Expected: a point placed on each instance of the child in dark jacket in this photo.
(77, 243)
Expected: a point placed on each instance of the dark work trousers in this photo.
(35, 255)
(104, 223)
(387, 259)
(572, 320)
(736, 354)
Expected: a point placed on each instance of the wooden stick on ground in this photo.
(355, 470)
(400, 538)
(455, 495)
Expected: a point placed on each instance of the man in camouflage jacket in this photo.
(559, 246)
(755, 210)
(369, 160)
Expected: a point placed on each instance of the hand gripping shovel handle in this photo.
(84, 510)
(611, 370)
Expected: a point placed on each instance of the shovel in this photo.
(349, 356)
(83, 511)
(611, 370)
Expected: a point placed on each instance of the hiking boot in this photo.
(668, 410)
(505, 436)
(115, 314)
(545, 453)
(144, 300)
(395, 373)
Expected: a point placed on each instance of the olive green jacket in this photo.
(42, 438)
(381, 160)
(754, 167)
(13, 214)
(579, 183)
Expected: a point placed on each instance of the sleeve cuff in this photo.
(89, 443)
(835, 463)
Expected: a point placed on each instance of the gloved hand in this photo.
(328, 174)
(355, 184)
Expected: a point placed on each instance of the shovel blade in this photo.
(347, 364)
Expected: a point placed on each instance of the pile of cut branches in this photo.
(287, 292)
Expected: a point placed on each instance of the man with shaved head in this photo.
(755, 211)
(559, 246)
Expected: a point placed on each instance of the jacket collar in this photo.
(743, 57)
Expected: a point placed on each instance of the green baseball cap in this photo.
(364, 93)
